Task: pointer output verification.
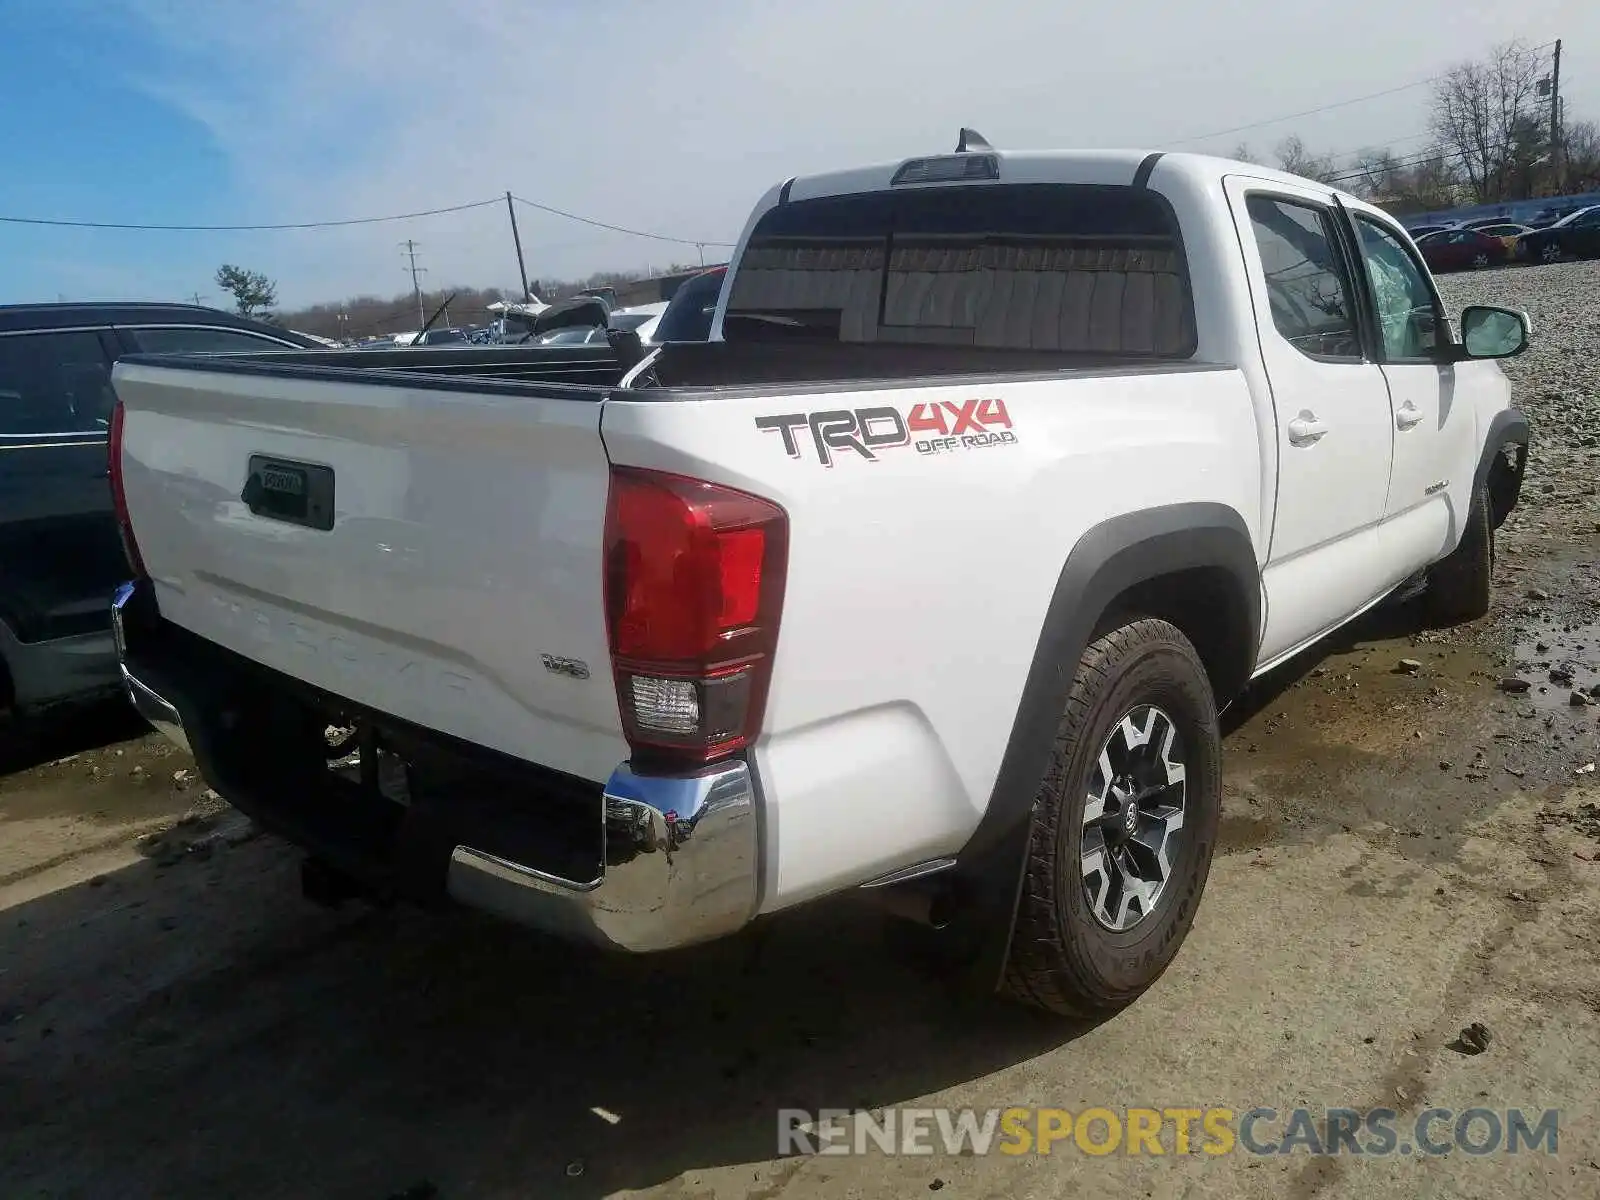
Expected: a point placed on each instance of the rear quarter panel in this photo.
(919, 579)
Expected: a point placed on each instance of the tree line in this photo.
(1489, 142)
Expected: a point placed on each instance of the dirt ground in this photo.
(1406, 850)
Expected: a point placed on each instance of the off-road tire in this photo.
(1061, 958)
(1459, 585)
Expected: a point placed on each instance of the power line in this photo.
(658, 237)
(431, 212)
(64, 223)
(1309, 112)
(1322, 108)
(1427, 158)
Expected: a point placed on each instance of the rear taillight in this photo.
(119, 497)
(694, 577)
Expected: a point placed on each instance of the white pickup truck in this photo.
(928, 576)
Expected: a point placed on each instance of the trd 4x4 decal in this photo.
(933, 428)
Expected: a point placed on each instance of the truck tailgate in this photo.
(430, 553)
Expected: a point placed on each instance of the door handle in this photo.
(1306, 429)
(1409, 416)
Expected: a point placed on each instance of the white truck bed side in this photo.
(918, 584)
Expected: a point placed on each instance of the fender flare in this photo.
(1508, 428)
(1116, 555)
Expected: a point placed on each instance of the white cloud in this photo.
(676, 117)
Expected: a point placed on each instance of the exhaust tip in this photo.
(933, 906)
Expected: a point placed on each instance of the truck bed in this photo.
(586, 372)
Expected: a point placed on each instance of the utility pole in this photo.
(416, 288)
(1556, 168)
(196, 297)
(522, 271)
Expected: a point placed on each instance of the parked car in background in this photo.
(1419, 231)
(1461, 250)
(1554, 212)
(1510, 233)
(641, 318)
(60, 553)
(1576, 235)
(585, 335)
(445, 336)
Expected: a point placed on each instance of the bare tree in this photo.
(1376, 174)
(1294, 158)
(1580, 153)
(1486, 114)
(1423, 181)
(1243, 153)
(1434, 182)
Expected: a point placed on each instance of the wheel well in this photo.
(1204, 603)
(1506, 470)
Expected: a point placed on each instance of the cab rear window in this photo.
(1070, 268)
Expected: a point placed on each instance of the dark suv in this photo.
(60, 554)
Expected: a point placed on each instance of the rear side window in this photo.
(53, 383)
(690, 311)
(1072, 268)
(202, 341)
(1308, 285)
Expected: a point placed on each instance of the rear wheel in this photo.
(1459, 585)
(1124, 827)
(1480, 260)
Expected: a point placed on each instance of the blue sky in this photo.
(673, 118)
(75, 155)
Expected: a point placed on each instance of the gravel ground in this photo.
(1410, 849)
(1557, 383)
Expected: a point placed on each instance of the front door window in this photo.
(1408, 311)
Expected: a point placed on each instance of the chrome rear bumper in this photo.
(681, 867)
(680, 863)
(153, 707)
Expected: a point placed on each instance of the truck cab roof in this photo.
(1107, 167)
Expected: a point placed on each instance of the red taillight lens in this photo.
(694, 578)
(119, 498)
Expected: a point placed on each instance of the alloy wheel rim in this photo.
(1132, 818)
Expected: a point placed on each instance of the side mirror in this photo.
(1488, 332)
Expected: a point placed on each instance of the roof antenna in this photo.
(971, 142)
